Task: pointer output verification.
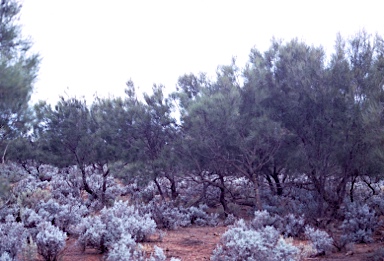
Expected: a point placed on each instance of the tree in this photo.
(141, 134)
(327, 110)
(209, 114)
(18, 70)
(71, 134)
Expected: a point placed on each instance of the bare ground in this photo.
(197, 244)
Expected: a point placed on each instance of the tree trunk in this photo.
(85, 183)
(279, 187)
(105, 175)
(257, 200)
(174, 193)
(159, 188)
(223, 202)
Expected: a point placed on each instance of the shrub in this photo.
(243, 242)
(263, 218)
(359, 224)
(376, 202)
(29, 250)
(68, 184)
(199, 216)
(50, 241)
(29, 192)
(64, 216)
(169, 216)
(95, 181)
(125, 249)
(12, 236)
(5, 257)
(139, 226)
(92, 233)
(320, 239)
(293, 226)
(158, 255)
(113, 224)
(229, 220)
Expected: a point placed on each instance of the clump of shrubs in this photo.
(320, 240)
(289, 225)
(50, 241)
(169, 216)
(125, 249)
(244, 242)
(117, 223)
(12, 235)
(359, 224)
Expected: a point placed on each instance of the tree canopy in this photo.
(18, 70)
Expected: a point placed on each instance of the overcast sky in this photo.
(94, 46)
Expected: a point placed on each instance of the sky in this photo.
(93, 47)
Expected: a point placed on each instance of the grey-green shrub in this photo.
(359, 223)
(243, 242)
(293, 226)
(12, 236)
(263, 218)
(50, 241)
(125, 249)
(320, 240)
(113, 224)
(158, 254)
(6, 257)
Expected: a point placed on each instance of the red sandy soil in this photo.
(188, 244)
(197, 244)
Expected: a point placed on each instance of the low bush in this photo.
(50, 241)
(243, 242)
(113, 224)
(263, 218)
(359, 223)
(125, 249)
(158, 255)
(168, 215)
(12, 236)
(293, 226)
(319, 239)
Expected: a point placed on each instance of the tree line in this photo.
(292, 118)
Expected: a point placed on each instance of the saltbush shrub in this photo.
(229, 220)
(108, 228)
(158, 254)
(64, 216)
(243, 242)
(50, 241)
(6, 257)
(168, 215)
(67, 184)
(320, 240)
(292, 226)
(359, 223)
(125, 249)
(263, 218)
(12, 236)
(92, 232)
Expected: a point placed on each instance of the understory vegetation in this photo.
(288, 152)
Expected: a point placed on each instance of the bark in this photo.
(105, 175)
(85, 183)
(174, 193)
(223, 202)
(279, 187)
(159, 188)
(257, 201)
